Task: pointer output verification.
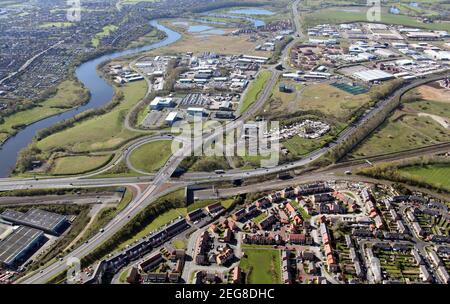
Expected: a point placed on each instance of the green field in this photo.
(436, 174)
(280, 102)
(152, 156)
(69, 94)
(262, 266)
(330, 101)
(300, 146)
(431, 107)
(253, 91)
(226, 203)
(78, 164)
(402, 132)
(104, 132)
(260, 218)
(107, 30)
(158, 222)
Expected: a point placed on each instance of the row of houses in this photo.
(144, 246)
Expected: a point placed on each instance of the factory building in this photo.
(19, 245)
(49, 222)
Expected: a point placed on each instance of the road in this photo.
(158, 182)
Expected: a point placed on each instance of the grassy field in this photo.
(280, 102)
(330, 101)
(160, 221)
(152, 156)
(301, 146)
(402, 132)
(353, 14)
(431, 107)
(253, 91)
(262, 266)
(203, 203)
(438, 174)
(69, 94)
(102, 132)
(78, 164)
(107, 30)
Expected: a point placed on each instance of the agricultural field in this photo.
(78, 164)
(104, 132)
(262, 266)
(152, 156)
(254, 89)
(436, 174)
(68, 94)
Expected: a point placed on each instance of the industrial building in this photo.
(373, 75)
(171, 118)
(162, 102)
(19, 245)
(47, 221)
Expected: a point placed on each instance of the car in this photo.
(348, 172)
(102, 230)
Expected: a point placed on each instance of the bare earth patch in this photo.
(435, 92)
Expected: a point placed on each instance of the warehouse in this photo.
(19, 245)
(196, 111)
(372, 75)
(171, 118)
(47, 221)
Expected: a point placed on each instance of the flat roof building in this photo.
(19, 245)
(373, 75)
(162, 102)
(171, 118)
(49, 222)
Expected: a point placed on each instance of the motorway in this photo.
(158, 183)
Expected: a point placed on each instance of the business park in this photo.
(23, 234)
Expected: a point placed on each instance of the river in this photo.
(101, 93)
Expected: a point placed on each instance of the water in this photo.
(101, 94)
(256, 22)
(205, 29)
(252, 11)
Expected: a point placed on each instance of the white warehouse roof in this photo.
(373, 75)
